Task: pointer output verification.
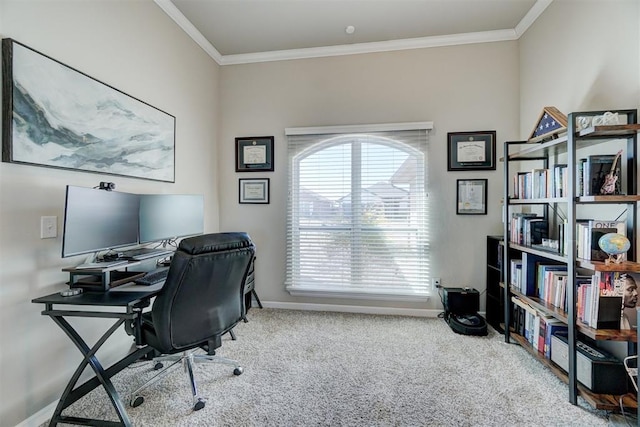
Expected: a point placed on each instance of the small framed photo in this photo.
(472, 197)
(471, 151)
(254, 191)
(254, 154)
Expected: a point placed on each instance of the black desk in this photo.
(129, 305)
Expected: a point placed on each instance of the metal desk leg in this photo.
(101, 375)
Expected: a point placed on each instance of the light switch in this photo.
(48, 227)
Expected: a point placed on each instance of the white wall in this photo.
(580, 56)
(136, 48)
(462, 88)
(133, 46)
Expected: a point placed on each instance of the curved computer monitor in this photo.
(97, 220)
(164, 217)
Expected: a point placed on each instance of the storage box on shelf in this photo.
(547, 284)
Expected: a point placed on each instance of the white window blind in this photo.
(358, 214)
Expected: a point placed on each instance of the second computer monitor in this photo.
(170, 216)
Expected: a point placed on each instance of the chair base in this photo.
(188, 360)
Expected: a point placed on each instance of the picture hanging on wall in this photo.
(56, 116)
(471, 151)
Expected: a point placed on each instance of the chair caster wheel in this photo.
(136, 401)
(238, 371)
(199, 405)
(158, 366)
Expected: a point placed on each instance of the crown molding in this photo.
(531, 16)
(170, 9)
(373, 47)
(357, 48)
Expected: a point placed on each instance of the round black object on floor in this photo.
(467, 324)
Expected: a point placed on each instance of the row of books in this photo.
(553, 182)
(609, 300)
(600, 296)
(537, 328)
(541, 183)
(527, 228)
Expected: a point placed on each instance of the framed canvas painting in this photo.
(56, 116)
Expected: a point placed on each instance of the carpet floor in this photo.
(306, 368)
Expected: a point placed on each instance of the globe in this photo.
(614, 243)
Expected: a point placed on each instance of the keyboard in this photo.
(153, 277)
(145, 253)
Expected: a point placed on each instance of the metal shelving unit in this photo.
(547, 152)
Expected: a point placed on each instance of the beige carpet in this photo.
(335, 369)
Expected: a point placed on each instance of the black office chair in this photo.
(201, 300)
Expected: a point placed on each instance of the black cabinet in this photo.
(495, 291)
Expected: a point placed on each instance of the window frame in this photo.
(337, 136)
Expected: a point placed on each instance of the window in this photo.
(357, 216)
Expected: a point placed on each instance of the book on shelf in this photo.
(517, 226)
(544, 278)
(583, 303)
(527, 316)
(515, 269)
(580, 177)
(596, 168)
(529, 273)
(535, 229)
(539, 183)
(608, 300)
(553, 327)
(626, 286)
(560, 180)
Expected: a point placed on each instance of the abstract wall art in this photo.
(56, 116)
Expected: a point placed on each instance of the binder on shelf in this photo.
(529, 272)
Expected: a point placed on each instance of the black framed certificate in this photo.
(254, 154)
(468, 151)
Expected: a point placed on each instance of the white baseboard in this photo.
(41, 417)
(417, 312)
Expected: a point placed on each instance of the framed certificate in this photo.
(467, 151)
(254, 191)
(472, 197)
(254, 154)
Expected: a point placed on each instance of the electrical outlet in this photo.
(48, 227)
(435, 281)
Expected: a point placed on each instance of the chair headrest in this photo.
(215, 242)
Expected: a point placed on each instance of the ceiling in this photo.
(243, 31)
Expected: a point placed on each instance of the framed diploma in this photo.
(254, 154)
(468, 151)
(472, 197)
(255, 191)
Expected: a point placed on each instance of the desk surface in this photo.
(109, 298)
